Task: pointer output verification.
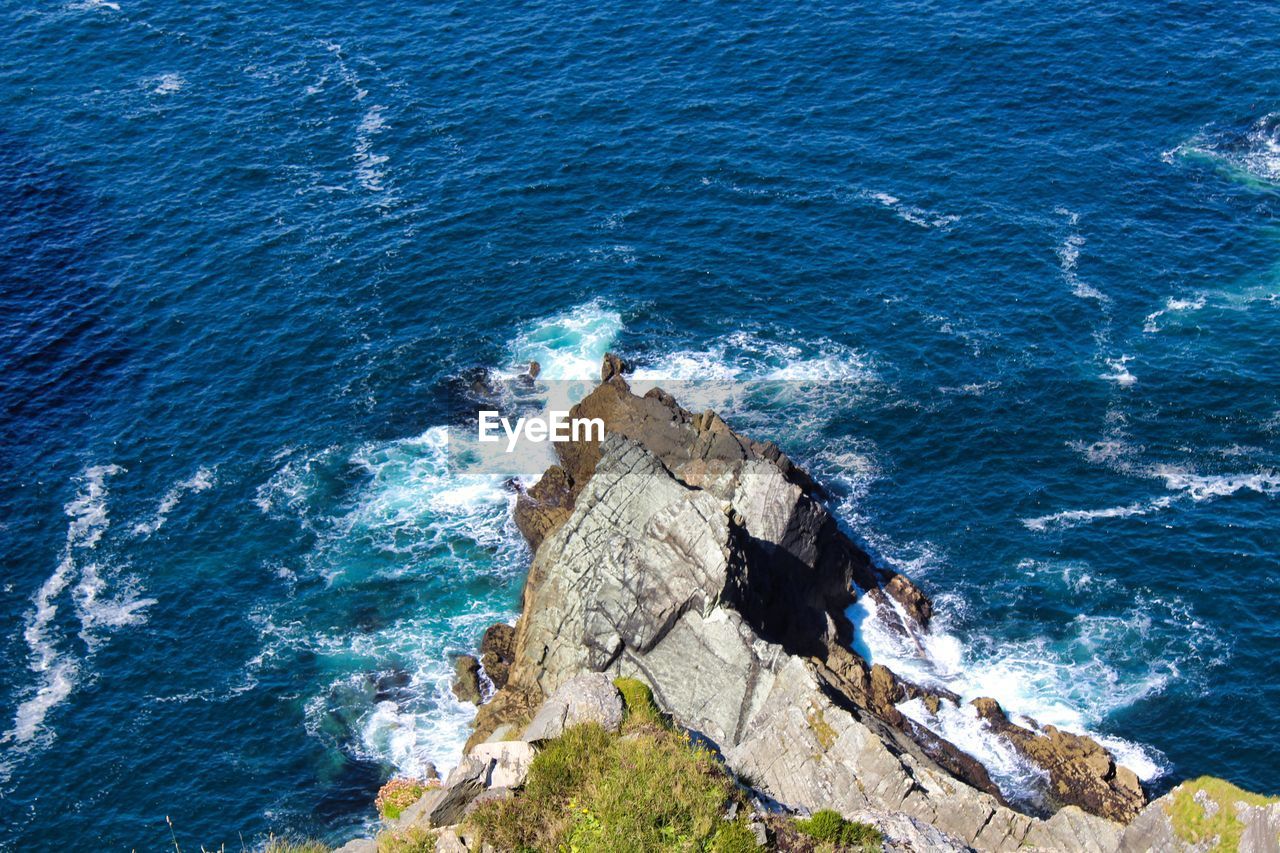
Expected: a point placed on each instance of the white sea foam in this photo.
(1120, 456)
(1015, 775)
(1119, 371)
(202, 480)
(418, 512)
(57, 669)
(568, 345)
(89, 520)
(1068, 252)
(911, 213)
(103, 606)
(1202, 487)
(1069, 685)
(1073, 517)
(167, 84)
(761, 381)
(369, 164)
(421, 509)
(1254, 153)
(1172, 305)
(95, 5)
(289, 490)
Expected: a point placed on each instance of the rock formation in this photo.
(466, 679)
(681, 553)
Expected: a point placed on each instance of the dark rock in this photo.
(466, 679)
(546, 506)
(913, 601)
(527, 380)
(391, 686)
(498, 652)
(613, 366)
(489, 795)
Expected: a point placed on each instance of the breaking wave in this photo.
(911, 213)
(201, 481)
(1171, 306)
(1072, 676)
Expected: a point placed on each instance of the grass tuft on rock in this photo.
(642, 711)
(286, 845)
(592, 792)
(831, 827)
(412, 840)
(1196, 823)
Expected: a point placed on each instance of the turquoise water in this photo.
(246, 252)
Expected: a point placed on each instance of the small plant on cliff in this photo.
(830, 826)
(398, 794)
(1196, 820)
(642, 711)
(412, 840)
(733, 836)
(592, 792)
(284, 845)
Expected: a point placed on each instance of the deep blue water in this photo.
(243, 251)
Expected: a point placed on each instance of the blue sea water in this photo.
(244, 250)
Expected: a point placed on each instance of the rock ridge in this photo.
(707, 565)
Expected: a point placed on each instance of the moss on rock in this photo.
(1204, 809)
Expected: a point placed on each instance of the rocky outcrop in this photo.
(466, 679)
(497, 653)
(705, 564)
(590, 697)
(544, 507)
(1080, 771)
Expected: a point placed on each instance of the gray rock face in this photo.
(508, 762)
(587, 698)
(643, 551)
(359, 845)
(445, 805)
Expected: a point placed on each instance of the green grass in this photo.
(642, 712)
(413, 840)
(592, 792)
(1194, 825)
(830, 826)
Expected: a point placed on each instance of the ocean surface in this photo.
(1020, 259)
